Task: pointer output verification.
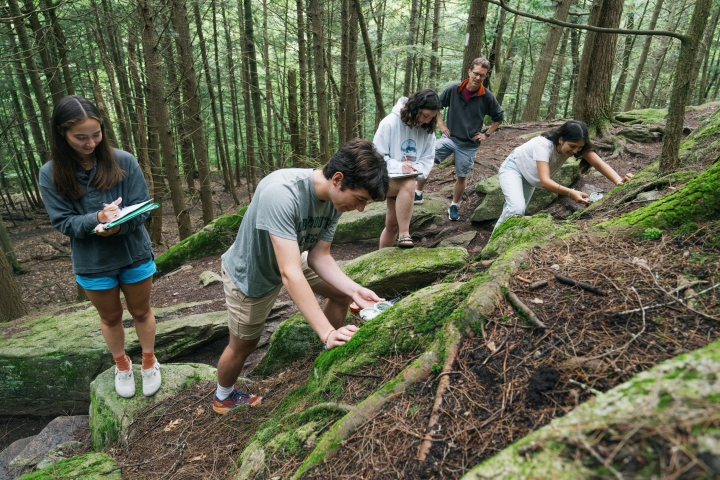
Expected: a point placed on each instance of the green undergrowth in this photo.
(214, 238)
(412, 326)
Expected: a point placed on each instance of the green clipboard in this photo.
(139, 211)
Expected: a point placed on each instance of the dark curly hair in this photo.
(425, 99)
(362, 167)
(572, 131)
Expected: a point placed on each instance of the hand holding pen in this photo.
(406, 167)
(110, 211)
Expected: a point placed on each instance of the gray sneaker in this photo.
(453, 213)
(418, 198)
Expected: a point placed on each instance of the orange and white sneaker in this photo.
(235, 400)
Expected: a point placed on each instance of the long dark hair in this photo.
(571, 131)
(70, 111)
(425, 99)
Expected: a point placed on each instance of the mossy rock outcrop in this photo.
(682, 391)
(646, 116)
(517, 232)
(366, 226)
(91, 466)
(703, 144)
(68, 347)
(292, 340)
(390, 271)
(111, 414)
(214, 238)
(493, 201)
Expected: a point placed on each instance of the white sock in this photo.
(453, 203)
(419, 192)
(223, 392)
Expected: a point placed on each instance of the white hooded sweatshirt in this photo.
(398, 143)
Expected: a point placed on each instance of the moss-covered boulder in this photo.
(390, 271)
(292, 339)
(646, 116)
(641, 134)
(91, 466)
(515, 232)
(213, 239)
(492, 203)
(366, 226)
(681, 391)
(111, 414)
(696, 201)
(68, 347)
(703, 144)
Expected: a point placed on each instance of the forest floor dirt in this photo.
(505, 385)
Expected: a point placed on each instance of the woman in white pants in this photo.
(532, 165)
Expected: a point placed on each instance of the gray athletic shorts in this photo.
(464, 156)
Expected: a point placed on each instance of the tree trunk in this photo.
(51, 72)
(592, 93)
(682, 86)
(158, 116)
(302, 60)
(31, 67)
(643, 58)
(347, 105)
(435, 46)
(379, 107)
(503, 77)
(495, 57)
(222, 140)
(102, 107)
(255, 85)
(410, 55)
(702, 58)
(61, 45)
(233, 96)
(269, 104)
(6, 246)
(622, 79)
(542, 68)
(518, 91)
(142, 137)
(475, 34)
(293, 117)
(250, 162)
(557, 78)
(191, 94)
(10, 297)
(315, 15)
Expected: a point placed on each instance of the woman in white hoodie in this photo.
(406, 138)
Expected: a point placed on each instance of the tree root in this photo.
(524, 309)
(442, 386)
(343, 428)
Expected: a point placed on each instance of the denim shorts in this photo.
(127, 276)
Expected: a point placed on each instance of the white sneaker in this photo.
(151, 380)
(125, 382)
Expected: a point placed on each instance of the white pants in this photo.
(516, 189)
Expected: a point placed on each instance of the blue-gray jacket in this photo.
(94, 254)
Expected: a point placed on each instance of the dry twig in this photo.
(525, 310)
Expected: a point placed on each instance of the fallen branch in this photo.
(524, 309)
(523, 279)
(658, 305)
(536, 285)
(686, 286)
(583, 285)
(435, 414)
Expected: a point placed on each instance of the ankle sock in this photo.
(122, 363)
(419, 192)
(148, 360)
(223, 392)
(453, 203)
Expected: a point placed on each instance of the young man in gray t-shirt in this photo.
(284, 240)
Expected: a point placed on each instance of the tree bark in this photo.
(495, 57)
(410, 55)
(377, 92)
(269, 104)
(702, 58)
(51, 73)
(592, 93)
(302, 60)
(6, 246)
(221, 140)
(622, 79)
(10, 297)
(315, 15)
(642, 59)
(158, 115)
(347, 105)
(475, 34)
(250, 162)
(542, 68)
(61, 46)
(682, 86)
(102, 107)
(191, 94)
(557, 78)
(293, 117)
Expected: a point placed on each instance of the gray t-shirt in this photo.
(538, 149)
(285, 205)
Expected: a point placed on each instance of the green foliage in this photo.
(652, 234)
(436, 369)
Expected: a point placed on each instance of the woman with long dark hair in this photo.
(532, 165)
(82, 187)
(406, 138)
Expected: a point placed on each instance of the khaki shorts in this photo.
(247, 315)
